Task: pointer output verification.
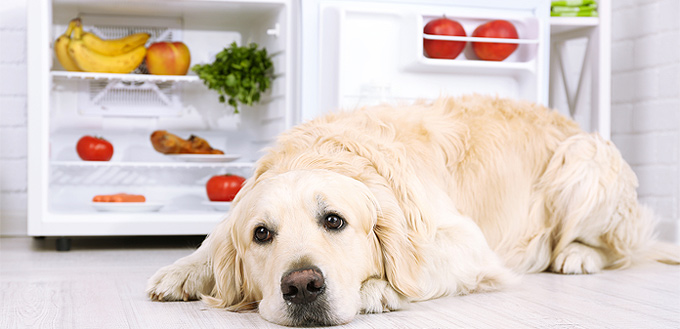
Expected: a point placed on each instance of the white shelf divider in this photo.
(124, 77)
(479, 39)
(132, 164)
(560, 25)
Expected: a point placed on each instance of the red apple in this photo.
(490, 51)
(168, 58)
(442, 48)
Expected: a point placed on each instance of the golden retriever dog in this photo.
(367, 210)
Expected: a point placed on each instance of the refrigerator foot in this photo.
(63, 244)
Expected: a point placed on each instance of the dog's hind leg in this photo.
(578, 258)
(186, 279)
(596, 220)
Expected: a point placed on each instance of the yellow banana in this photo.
(61, 48)
(91, 61)
(114, 47)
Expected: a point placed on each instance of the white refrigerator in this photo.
(327, 55)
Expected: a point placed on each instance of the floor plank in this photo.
(100, 284)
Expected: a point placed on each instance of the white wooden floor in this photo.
(100, 284)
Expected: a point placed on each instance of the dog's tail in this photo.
(664, 252)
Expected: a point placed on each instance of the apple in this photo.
(491, 51)
(168, 58)
(442, 48)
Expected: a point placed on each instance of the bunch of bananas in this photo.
(84, 51)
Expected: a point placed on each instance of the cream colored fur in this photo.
(442, 198)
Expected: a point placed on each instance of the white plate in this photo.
(203, 157)
(219, 205)
(127, 206)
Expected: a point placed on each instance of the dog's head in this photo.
(301, 243)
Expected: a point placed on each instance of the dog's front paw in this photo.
(577, 258)
(179, 282)
(377, 296)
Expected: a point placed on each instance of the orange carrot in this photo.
(120, 197)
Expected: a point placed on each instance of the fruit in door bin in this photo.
(442, 48)
(491, 51)
(91, 148)
(89, 60)
(61, 48)
(224, 187)
(168, 58)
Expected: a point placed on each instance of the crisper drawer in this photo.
(372, 51)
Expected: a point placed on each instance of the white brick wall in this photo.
(646, 101)
(645, 109)
(13, 117)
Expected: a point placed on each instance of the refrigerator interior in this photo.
(126, 108)
(371, 52)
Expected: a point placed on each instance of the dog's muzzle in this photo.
(302, 286)
(303, 290)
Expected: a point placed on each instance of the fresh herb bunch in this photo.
(240, 73)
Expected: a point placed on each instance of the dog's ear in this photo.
(232, 289)
(396, 248)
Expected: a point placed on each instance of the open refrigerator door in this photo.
(360, 53)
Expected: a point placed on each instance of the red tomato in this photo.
(224, 187)
(442, 48)
(490, 51)
(94, 149)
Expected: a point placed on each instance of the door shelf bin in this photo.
(523, 58)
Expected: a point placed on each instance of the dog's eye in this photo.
(262, 234)
(333, 222)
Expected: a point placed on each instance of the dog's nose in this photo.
(302, 286)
